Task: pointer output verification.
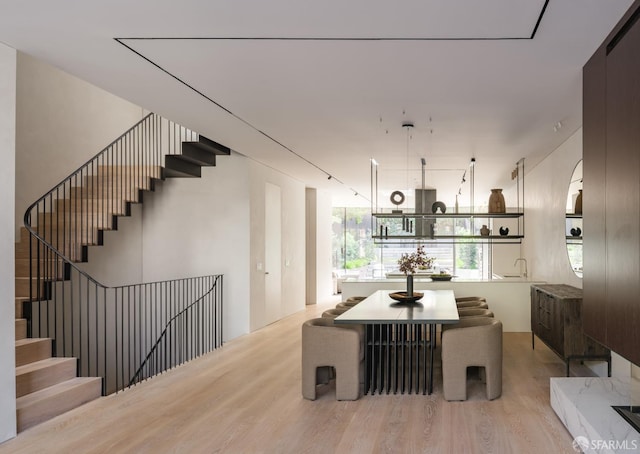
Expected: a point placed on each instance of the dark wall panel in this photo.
(611, 205)
(623, 195)
(594, 154)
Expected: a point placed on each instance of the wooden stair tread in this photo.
(29, 399)
(19, 305)
(42, 364)
(44, 373)
(31, 340)
(29, 350)
(55, 400)
(21, 328)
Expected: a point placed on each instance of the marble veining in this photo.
(583, 404)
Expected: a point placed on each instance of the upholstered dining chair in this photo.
(355, 299)
(475, 303)
(474, 312)
(326, 374)
(338, 346)
(462, 299)
(471, 301)
(333, 313)
(346, 304)
(474, 341)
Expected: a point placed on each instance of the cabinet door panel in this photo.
(622, 204)
(594, 154)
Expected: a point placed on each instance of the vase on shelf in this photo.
(484, 231)
(496, 201)
(578, 207)
(409, 284)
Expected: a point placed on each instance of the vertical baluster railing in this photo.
(113, 331)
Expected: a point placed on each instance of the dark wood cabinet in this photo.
(594, 102)
(556, 319)
(611, 204)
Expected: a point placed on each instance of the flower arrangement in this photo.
(409, 263)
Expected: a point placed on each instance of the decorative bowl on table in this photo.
(404, 298)
(441, 277)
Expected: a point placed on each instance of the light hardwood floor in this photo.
(246, 398)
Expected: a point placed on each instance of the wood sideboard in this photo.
(556, 318)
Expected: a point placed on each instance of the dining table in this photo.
(400, 339)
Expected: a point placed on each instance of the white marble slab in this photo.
(583, 404)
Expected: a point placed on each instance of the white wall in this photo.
(187, 227)
(544, 245)
(293, 243)
(199, 226)
(318, 246)
(311, 228)
(122, 246)
(324, 268)
(7, 241)
(546, 186)
(62, 122)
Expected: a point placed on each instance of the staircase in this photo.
(45, 386)
(65, 223)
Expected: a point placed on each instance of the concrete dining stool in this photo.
(474, 341)
(327, 345)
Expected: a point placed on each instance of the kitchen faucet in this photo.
(525, 265)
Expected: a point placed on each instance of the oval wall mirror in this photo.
(573, 222)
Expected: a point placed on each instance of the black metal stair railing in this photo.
(170, 348)
(112, 331)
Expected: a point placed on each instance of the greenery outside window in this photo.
(356, 255)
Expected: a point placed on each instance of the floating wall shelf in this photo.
(391, 225)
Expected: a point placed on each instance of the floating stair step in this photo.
(75, 250)
(79, 222)
(105, 205)
(25, 236)
(32, 350)
(19, 307)
(67, 240)
(214, 147)
(22, 247)
(130, 194)
(177, 166)
(196, 153)
(44, 373)
(103, 185)
(55, 400)
(23, 284)
(45, 268)
(22, 251)
(21, 328)
(120, 171)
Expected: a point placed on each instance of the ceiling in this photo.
(317, 89)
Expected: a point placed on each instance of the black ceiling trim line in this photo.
(217, 104)
(335, 38)
(310, 38)
(544, 8)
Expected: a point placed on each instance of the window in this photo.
(356, 255)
